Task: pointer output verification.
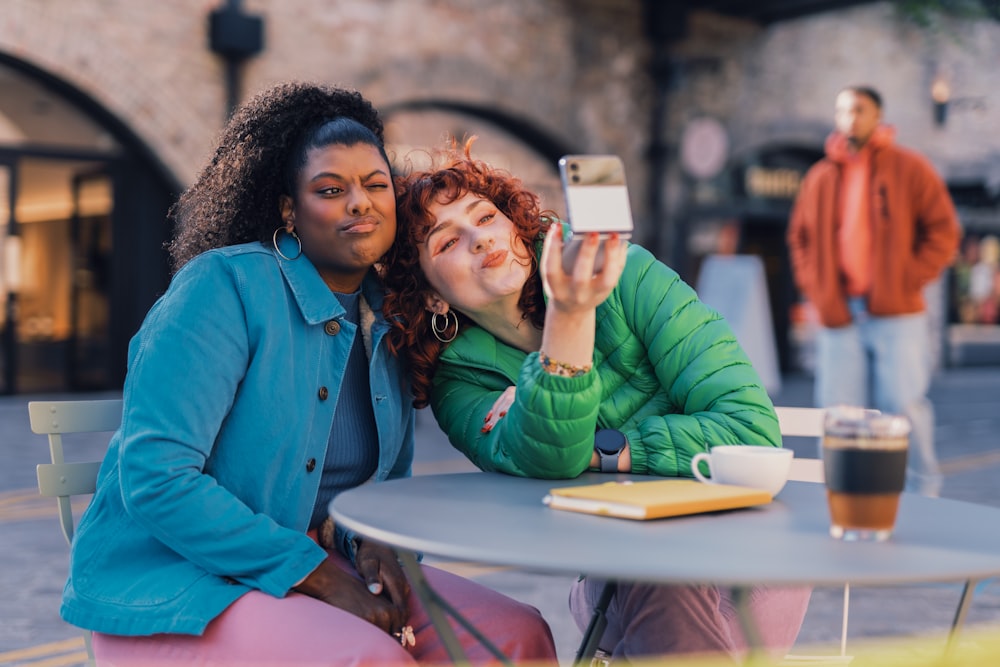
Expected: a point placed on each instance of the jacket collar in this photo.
(836, 143)
(315, 300)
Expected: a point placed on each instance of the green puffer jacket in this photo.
(668, 372)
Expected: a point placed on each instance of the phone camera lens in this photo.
(575, 178)
(574, 166)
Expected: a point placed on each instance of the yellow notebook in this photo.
(653, 499)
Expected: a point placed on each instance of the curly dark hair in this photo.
(236, 197)
(453, 174)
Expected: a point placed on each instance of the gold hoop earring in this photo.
(290, 232)
(439, 330)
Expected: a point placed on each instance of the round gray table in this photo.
(499, 519)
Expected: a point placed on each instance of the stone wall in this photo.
(573, 70)
(779, 83)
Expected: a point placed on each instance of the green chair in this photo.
(62, 480)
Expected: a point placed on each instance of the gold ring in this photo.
(406, 636)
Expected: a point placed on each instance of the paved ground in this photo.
(968, 410)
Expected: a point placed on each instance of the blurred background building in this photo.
(109, 107)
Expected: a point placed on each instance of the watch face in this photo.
(609, 441)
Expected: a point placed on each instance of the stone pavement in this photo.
(967, 400)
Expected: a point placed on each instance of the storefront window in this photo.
(56, 233)
(976, 285)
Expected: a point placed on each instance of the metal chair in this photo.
(808, 423)
(62, 480)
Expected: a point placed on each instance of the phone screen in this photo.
(596, 194)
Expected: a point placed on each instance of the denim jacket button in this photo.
(332, 327)
(324, 393)
(310, 465)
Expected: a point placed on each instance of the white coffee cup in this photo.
(754, 466)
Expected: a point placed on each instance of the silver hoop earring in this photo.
(290, 232)
(439, 330)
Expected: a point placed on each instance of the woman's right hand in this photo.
(584, 288)
(570, 316)
(340, 589)
(499, 409)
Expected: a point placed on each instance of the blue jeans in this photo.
(884, 363)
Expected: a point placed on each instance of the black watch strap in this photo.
(609, 443)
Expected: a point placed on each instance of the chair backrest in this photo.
(808, 422)
(59, 479)
(803, 422)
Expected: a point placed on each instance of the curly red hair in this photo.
(452, 175)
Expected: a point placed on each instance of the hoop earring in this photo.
(439, 330)
(290, 232)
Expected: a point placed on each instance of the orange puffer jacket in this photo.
(915, 234)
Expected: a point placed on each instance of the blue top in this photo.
(352, 456)
(208, 486)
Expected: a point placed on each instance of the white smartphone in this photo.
(596, 201)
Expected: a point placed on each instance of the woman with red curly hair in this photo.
(527, 367)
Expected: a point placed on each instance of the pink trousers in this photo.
(260, 630)
(647, 620)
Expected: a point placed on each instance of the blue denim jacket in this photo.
(207, 488)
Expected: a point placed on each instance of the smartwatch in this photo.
(609, 444)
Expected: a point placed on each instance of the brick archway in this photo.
(548, 146)
(128, 264)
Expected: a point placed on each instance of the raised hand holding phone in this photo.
(586, 285)
(570, 317)
(596, 202)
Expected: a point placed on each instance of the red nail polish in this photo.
(488, 417)
(503, 413)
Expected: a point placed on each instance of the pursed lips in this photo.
(495, 258)
(361, 226)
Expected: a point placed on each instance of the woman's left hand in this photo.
(382, 573)
(499, 409)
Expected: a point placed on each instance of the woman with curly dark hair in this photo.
(260, 386)
(618, 369)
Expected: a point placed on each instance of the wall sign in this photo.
(704, 148)
(773, 172)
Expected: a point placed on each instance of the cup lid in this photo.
(854, 422)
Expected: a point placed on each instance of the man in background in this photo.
(872, 225)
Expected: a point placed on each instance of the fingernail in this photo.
(488, 417)
(503, 413)
(375, 588)
(486, 429)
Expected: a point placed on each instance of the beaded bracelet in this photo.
(553, 367)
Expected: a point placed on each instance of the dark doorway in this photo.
(59, 328)
(83, 208)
